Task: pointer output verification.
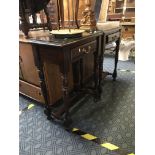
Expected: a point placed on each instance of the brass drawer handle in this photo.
(79, 50)
(89, 49)
(84, 50)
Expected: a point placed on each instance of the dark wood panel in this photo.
(88, 62)
(54, 81)
(50, 58)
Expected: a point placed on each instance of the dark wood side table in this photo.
(109, 35)
(64, 52)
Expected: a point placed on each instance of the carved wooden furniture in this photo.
(88, 21)
(123, 11)
(60, 66)
(31, 7)
(64, 12)
(71, 29)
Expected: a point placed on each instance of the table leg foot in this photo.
(47, 112)
(114, 75)
(67, 121)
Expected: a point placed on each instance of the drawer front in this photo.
(112, 37)
(31, 91)
(83, 49)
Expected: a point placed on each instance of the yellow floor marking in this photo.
(106, 145)
(30, 106)
(88, 136)
(75, 129)
(110, 146)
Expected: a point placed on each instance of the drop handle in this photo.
(86, 51)
(89, 49)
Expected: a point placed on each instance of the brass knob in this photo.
(79, 50)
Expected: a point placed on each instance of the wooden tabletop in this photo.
(45, 38)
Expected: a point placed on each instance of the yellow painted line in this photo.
(26, 108)
(30, 106)
(75, 129)
(88, 137)
(106, 145)
(110, 146)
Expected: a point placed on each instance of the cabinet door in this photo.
(28, 68)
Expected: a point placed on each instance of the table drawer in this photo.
(83, 49)
(31, 91)
(112, 37)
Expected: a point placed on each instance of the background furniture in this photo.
(28, 8)
(109, 36)
(128, 30)
(123, 11)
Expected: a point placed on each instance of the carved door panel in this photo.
(28, 68)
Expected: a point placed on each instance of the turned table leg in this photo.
(64, 110)
(48, 19)
(47, 111)
(114, 75)
(37, 61)
(103, 40)
(24, 26)
(100, 73)
(96, 77)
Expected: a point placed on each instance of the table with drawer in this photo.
(64, 65)
(109, 35)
